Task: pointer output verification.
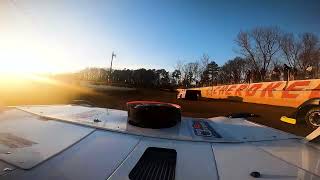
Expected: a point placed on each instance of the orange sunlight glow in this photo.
(22, 80)
(35, 89)
(61, 84)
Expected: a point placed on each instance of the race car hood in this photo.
(77, 142)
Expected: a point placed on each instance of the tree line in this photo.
(147, 78)
(264, 54)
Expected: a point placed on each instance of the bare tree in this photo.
(260, 46)
(204, 61)
(180, 67)
(245, 43)
(190, 74)
(291, 49)
(302, 53)
(309, 56)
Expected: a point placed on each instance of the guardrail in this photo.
(279, 93)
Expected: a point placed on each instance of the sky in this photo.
(68, 35)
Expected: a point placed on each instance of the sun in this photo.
(27, 51)
(25, 57)
(22, 57)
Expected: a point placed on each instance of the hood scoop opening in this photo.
(155, 163)
(154, 115)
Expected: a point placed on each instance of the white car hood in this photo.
(64, 142)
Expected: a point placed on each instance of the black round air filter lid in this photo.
(152, 114)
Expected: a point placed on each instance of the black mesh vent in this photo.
(155, 164)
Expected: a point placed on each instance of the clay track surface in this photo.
(203, 108)
(268, 115)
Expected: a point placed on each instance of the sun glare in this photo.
(21, 67)
(22, 54)
(21, 60)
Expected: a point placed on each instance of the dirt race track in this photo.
(204, 108)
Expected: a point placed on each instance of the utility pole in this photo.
(112, 56)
